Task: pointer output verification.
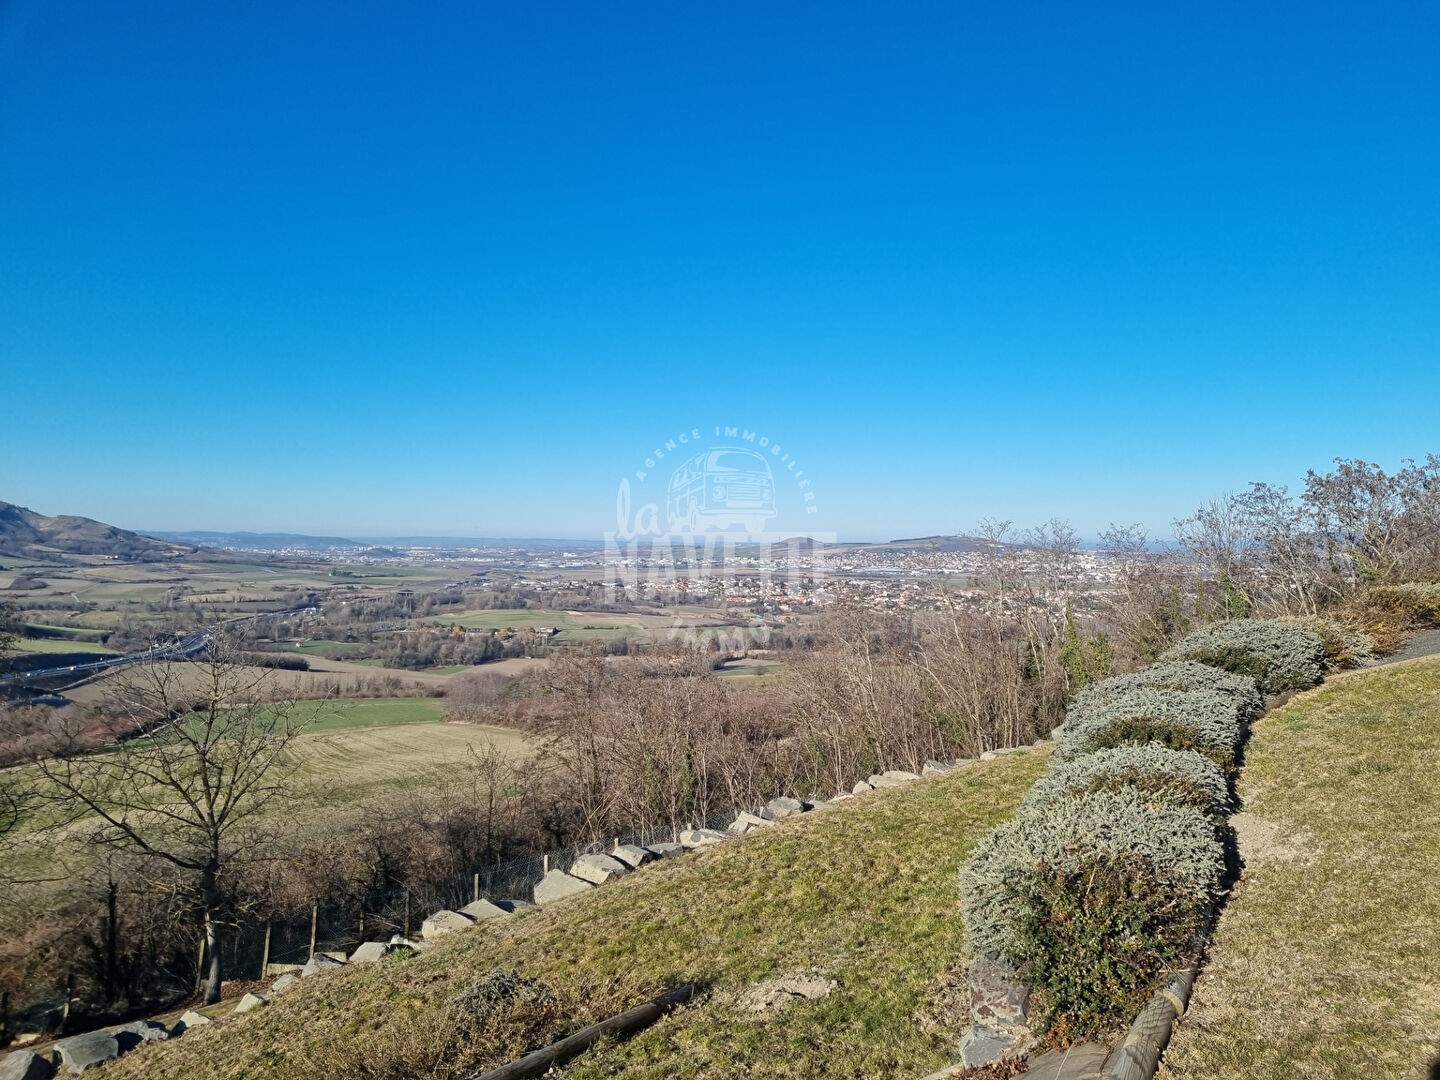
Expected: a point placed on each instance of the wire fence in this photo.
(328, 927)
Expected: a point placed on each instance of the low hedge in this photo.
(1207, 721)
(1178, 675)
(1092, 897)
(1279, 656)
(1181, 776)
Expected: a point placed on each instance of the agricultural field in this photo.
(1327, 957)
(353, 756)
(60, 645)
(589, 625)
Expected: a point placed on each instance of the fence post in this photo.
(69, 997)
(314, 925)
(476, 898)
(407, 912)
(362, 922)
(112, 941)
(546, 863)
(265, 961)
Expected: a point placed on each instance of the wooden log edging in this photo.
(1138, 1057)
(539, 1062)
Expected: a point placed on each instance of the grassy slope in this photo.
(1327, 959)
(865, 892)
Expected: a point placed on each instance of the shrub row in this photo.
(1181, 776)
(1106, 877)
(1090, 896)
(1207, 721)
(1279, 656)
(1178, 675)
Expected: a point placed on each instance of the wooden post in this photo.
(407, 913)
(112, 942)
(476, 898)
(69, 998)
(546, 863)
(314, 925)
(200, 964)
(362, 921)
(265, 962)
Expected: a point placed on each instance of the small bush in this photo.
(1345, 646)
(1279, 656)
(1093, 898)
(1180, 776)
(1417, 603)
(1179, 675)
(500, 989)
(1207, 721)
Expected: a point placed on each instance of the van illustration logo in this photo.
(729, 487)
(727, 513)
(734, 481)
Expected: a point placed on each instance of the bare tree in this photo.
(1152, 603)
(1218, 535)
(200, 763)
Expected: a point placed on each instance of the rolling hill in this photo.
(24, 534)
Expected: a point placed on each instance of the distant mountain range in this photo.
(281, 541)
(927, 544)
(261, 541)
(24, 534)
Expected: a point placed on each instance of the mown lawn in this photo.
(864, 893)
(1326, 963)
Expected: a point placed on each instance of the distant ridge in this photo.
(261, 541)
(949, 544)
(24, 534)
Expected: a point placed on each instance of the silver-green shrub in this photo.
(1207, 721)
(1181, 776)
(1345, 646)
(1109, 882)
(1178, 675)
(1279, 656)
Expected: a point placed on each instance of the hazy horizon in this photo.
(460, 271)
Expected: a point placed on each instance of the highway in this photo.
(181, 647)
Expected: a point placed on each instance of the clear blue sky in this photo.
(383, 268)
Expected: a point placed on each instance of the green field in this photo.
(864, 894)
(353, 756)
(1326, 962)
(350, 714)
(71, 633)
(55, 645)
(322, 647)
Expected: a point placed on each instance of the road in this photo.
(182, 647)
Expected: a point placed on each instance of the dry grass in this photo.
(865, 894)
(1327, 959)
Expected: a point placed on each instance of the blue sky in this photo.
(456, 269)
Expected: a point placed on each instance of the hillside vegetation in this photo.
(863, 894)
(1326, 963)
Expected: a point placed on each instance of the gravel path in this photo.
(1421, 643)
